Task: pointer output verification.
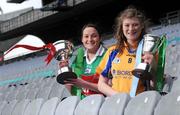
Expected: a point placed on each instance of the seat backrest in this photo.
(59, 90)
(44, 92)
(34, 106)
(20, 107)
(169, 81)
(172, 65)
(143, 104)
(175, 84)
(67, 106)
(169, 104)
(8, 108)
(12, 95)
(22, 94)
(90, 105)
(66, 93)
(115, 104)
(32, 93)
(49, 107)
(2, 105)
(3, 96)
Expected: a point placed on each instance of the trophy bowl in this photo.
(64, 50)
(150, 44)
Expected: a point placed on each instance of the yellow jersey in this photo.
(120, 67)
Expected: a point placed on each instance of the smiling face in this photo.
(132, 29)
(91, 39)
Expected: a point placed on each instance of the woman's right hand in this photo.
(148, 57)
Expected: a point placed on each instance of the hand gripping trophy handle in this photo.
(64, 50)
(150, 44)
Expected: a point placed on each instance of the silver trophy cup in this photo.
(150, 44)
(64, 50)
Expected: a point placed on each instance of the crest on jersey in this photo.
(116, 60)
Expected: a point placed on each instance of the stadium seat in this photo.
(67, 106)
(169, 81)
(49, 107)
(169, 104)
(115, 104)
(32, 93)
(22, 94)
(49, 81)
(176, 85)
(12, 95)
(90, 105)
(20, 107)
(2, 104)
(44, 92)
(59, 90)
(8, 108)
(172, 63)
(31, 84)
(143, 104)
(3, 96)
(34, 107)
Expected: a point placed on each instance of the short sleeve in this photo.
(104, 67)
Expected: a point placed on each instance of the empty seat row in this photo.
(45, 92)
(146, 103)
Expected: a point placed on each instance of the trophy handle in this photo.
(162, 39)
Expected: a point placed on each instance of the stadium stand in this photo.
(22, 18)
(8, 16)
(30, 15)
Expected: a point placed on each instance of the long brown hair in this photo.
(130, 12)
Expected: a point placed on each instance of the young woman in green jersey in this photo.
(87, 59)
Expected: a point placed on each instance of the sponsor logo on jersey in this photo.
(121, 72)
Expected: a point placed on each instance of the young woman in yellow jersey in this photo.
(130, 28)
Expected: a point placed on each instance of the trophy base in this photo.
(65, 76)
(143, 71)
(142, 74)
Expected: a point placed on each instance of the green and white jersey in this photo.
(82, 66)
